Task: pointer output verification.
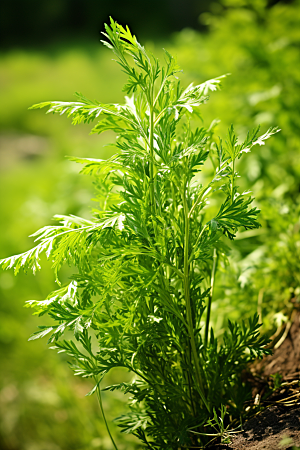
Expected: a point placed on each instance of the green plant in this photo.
(269, 275)
(145, 265)
(258, 43)
(217, 424)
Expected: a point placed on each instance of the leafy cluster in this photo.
(146, 263)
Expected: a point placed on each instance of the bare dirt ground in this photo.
(277, 425)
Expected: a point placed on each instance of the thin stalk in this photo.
(200, 386)
(160, 89)
(151, 151)
(196, 243)
(190, 384)
(103, 414)
(232, 181)
(199, 198)
(212, 282)
(160, 115)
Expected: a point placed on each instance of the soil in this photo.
(277, 425)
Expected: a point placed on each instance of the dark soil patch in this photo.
(277, 426)
(267, 430)
(285, 359)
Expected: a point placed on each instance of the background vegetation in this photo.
(42, 405)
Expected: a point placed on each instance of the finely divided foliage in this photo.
(146, 263)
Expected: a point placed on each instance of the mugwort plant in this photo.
(145, 265)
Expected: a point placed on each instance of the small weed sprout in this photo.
(145, 264)
(218, 425)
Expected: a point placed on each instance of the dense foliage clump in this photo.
(145, 265)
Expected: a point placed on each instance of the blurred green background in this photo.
(48, 53)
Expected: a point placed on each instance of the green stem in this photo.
(151, 150)
(189, 316)
(160, 89)
(212, 282)
(199, 198)
(190, 384)
(196, 243)
(103, 414)
(232, 181)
